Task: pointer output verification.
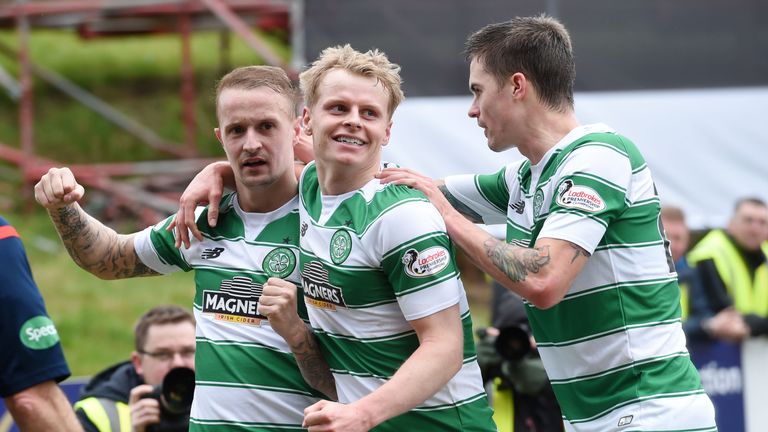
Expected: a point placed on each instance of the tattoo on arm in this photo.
(96, 248)
(313, 366)
(516, 262)
(462, 208)
(577, 250)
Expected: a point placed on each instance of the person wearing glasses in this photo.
(112, 401)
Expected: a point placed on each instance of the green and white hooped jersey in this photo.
(372, 260)
(613, 348)
(246, 377)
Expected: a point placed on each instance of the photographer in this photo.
(519, 390)
(126, 397)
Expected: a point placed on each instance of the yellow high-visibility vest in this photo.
(106, 414)
(749, 296)
(503, 407)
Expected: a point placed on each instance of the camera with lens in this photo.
(175, 397)
(508, 353)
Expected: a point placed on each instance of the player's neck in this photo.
(545, 131)
(267, 198)
(338, 179)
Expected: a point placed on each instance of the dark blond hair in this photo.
(252, 77)
(538, 47)
(670, 213)
(166, 314)
(372, 63)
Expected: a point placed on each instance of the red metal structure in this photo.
(99, 18)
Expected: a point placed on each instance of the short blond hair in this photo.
(372, 63)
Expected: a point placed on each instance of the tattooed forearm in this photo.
(578, 250)
(313, 366)
(95, 247)
(516, 262)
(470, 214)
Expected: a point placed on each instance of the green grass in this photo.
(138, 75)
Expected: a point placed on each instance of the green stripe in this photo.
(371, 358)
(413, 243)
(200, 425)
(164, 243)
(638, 224)
(379, 356)
(494, 189)
(590, 399)
(605, 310)
(640, 168)
(598, 179)
(249, 366)
(471, 415)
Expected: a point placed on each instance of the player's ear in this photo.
(306, 121)
(217, 132)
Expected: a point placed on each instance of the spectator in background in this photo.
(164, 339)
(734, 273)
(31, 359)
(694, 303)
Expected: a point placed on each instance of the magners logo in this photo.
(236, 301)
(318, 290)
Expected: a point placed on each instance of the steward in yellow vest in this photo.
(103, 407)
(732, 275)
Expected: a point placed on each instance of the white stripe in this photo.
(391, 318)
(611, 351)
(619, 265)
(614, 168)
(579, 230)
(210, 328)
(357, 322)
(689, 412)
(465, 384)
(641, 186)
(235, 256)
(249, 405)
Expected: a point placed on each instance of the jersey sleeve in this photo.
(590, 191)
(31, 352)
(420, 262)
(487, 195)
(156, 247)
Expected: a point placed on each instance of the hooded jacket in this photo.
(103, 404)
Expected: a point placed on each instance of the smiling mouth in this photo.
(349, 140)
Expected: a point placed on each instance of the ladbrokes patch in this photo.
(428, 262)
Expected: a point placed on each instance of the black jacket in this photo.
(114, 383)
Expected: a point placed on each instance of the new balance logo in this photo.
(211, 253)
(518, 207)
(624, 421)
